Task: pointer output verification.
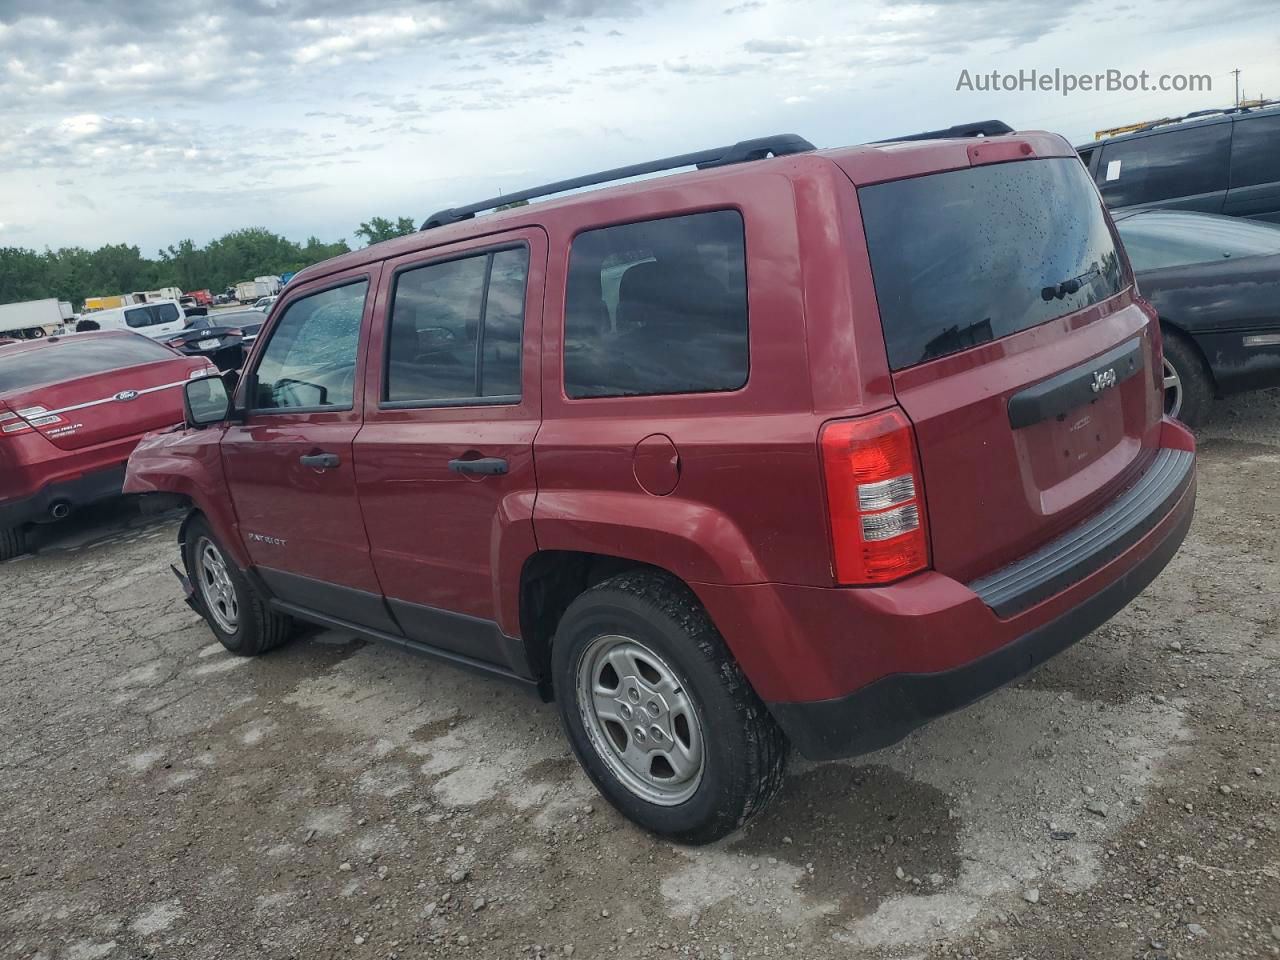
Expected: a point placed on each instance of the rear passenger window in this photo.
(1181, 163)
(456, 327)
(1255, 151)
(657, 307)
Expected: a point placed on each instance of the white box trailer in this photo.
(151, 296)
(248, 291)
(30, 319)
(271, 283)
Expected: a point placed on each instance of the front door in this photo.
(289, 464)
(444, 463)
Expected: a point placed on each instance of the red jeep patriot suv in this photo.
(803, 447)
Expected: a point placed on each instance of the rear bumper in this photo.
(847, 671)
(885, 711)
(87, 488)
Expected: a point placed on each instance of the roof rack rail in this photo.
(1194, 115)
(982, 128)
(741, 152)
(1142, 127)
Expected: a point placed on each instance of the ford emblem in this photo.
(124, 395)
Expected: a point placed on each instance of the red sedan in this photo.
(71, 411)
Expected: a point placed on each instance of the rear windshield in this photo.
(70, 358)
(965, 257)
(151, 315)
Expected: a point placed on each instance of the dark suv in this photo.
(1215, 161)
(801, 448)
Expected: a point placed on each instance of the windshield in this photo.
(969, 256)
(1156, 240)
(74, 358)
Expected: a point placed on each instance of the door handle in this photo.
(489, 466)
(319, 461)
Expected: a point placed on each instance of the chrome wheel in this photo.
(1172, 390)
(216, 589)
(641, 721)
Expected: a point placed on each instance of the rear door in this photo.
(1016, 348)
(445, 460)
(1183, 168)
(289, 464)
(82, 391)
(1255, 168)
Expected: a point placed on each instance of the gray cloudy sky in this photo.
(147, 121)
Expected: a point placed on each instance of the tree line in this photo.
(74, 273)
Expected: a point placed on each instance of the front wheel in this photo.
(238, 616)
(659, 713)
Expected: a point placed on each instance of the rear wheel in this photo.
(238, 616)
(13, 543)
(1188, 387)
(659, 713)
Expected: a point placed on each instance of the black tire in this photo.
(257, 628)
(1195, 382)
(744, 751)
(13, 543)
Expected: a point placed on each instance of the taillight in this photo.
(11, 424)
(26, 420)
(875, 499)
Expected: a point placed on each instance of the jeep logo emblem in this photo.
(1102, 379)
(125, 395)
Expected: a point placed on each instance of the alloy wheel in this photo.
(216, 589)
(1172, 390)
(641, 720)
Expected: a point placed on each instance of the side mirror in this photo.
(205, 401)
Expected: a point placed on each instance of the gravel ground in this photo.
(338, 799)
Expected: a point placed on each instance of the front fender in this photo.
(188, 463)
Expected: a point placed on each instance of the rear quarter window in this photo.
(969, 256)
(1255, 151)
(657, 307)
(71, 359)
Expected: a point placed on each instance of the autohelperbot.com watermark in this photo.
(1067, 83)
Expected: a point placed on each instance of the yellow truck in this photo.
(105, 303)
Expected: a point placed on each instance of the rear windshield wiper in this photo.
(1067, 287)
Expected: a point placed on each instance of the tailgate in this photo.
(1017, 349)
(106, 406)
(1016, 449)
